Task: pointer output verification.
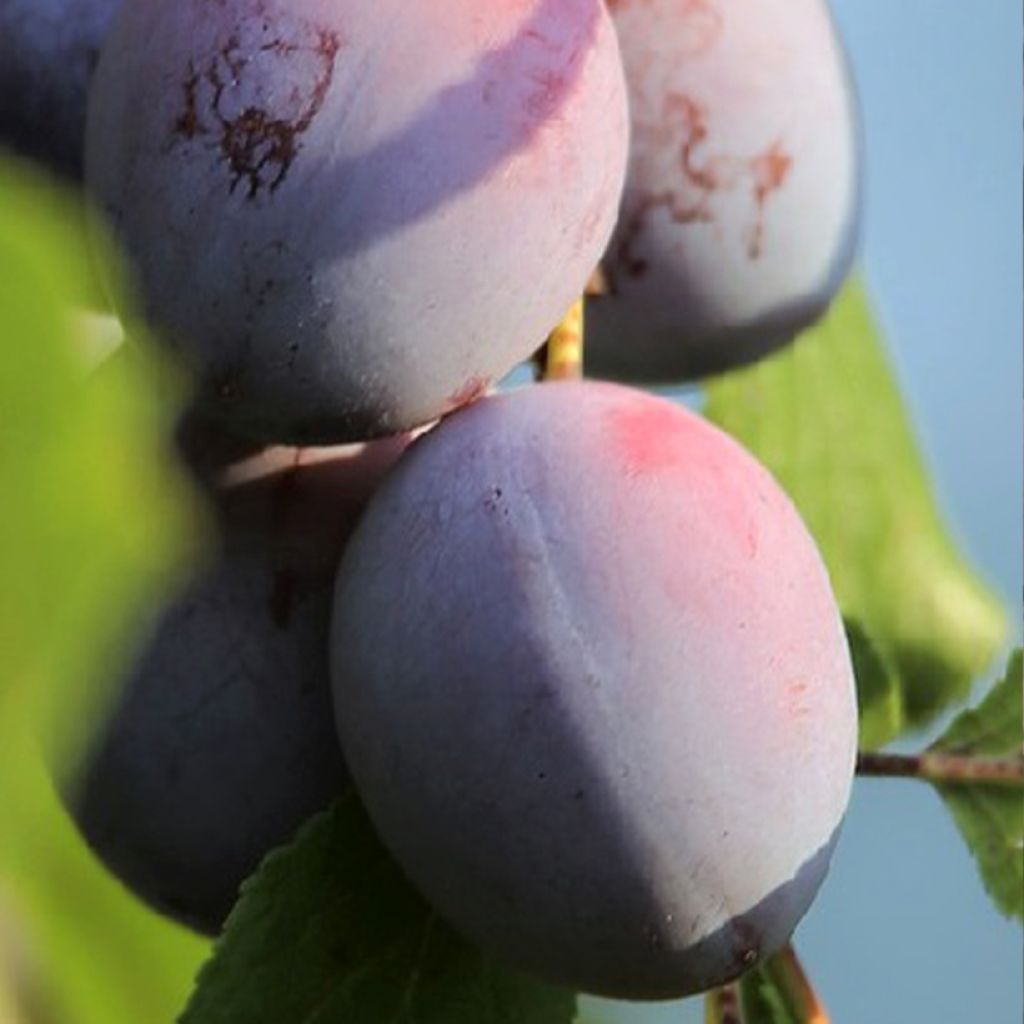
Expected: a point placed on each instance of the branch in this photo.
(948, 769)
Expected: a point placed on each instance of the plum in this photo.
(741, 208)
(222, 742)
(592, 684)
(48, 49)
(353, 215)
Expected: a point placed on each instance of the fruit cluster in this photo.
(572, 646)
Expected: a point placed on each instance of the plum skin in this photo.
(742, 205)
(48, 49)
(594, 690)
(375, 209)
(221, 743)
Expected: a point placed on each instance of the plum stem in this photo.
(791, 978)
(786, 975)
(565, 346)
(948, 769)
(723, 1006)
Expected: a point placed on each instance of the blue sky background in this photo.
(902, 933)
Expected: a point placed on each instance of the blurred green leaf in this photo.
(95, 522)
(96, 525)
(879, 697)
(10, 1011)
(329, 932)
(991, 817)
(16, 972)
(52, 221)
(103, 957)
(826, 417)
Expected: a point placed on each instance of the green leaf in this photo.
(762, 1000)
(777, 991)
(879, 697)
(96, 525)
(996, 726)
(329, 932)
(53, 221)
(991, 817)
(826, 417)
(103, 958)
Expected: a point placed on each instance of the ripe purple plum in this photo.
(741, 208)
(48, 50)
(593, 686)
(354, 215)
(222, 742)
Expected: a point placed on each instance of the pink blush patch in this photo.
(648, 437)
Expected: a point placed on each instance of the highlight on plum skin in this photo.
(353, 214)
(48, 50)
(594, 689)
(741, 209)
(222, 744)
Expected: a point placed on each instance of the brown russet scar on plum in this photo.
(769, 171)
(428, 187)
(698, 25)
(702, 175)
(741, 210)
(258, 143)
